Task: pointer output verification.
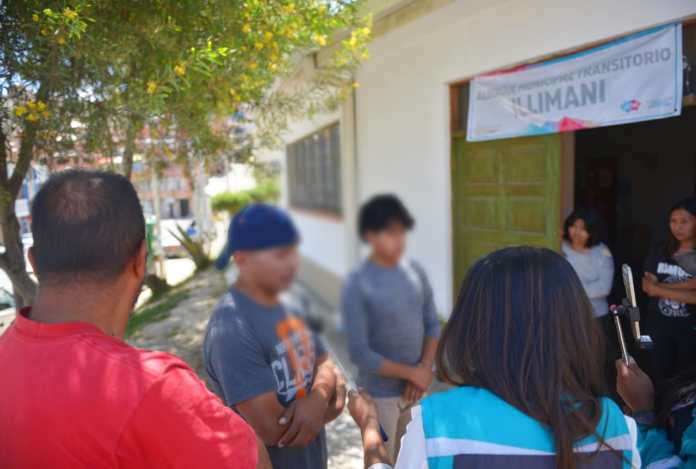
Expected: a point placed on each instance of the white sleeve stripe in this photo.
(670, 463)
(633, 433)
(413, 454)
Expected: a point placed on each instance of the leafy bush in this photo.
(195, 248)
(157, 312)
(233, 202)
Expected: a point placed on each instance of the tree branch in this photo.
(26, 150)
(3, 155)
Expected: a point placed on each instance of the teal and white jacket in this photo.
(658, 452)
(473, 428)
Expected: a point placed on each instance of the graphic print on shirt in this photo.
(294, 367)
(674, 274)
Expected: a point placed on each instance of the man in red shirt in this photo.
(73, 394)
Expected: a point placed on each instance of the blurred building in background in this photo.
(175, 191)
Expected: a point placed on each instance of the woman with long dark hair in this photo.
(670, 285)
(583, 247)
(524, 353)
(591, 259)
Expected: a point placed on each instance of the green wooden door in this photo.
(505, 193)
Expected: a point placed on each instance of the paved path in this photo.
(182, 334)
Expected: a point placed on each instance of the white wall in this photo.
(403, 100)
(403, 139)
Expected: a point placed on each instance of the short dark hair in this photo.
(381, 211)
(594, 225)
(86, 225)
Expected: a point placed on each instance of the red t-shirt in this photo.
(73, 397)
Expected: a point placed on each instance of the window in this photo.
(184, 208)
(314, 171)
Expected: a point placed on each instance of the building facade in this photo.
(403, 131)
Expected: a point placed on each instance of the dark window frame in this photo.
(314, 172)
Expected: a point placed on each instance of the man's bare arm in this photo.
(263, 413)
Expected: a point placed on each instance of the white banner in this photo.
(636, 78)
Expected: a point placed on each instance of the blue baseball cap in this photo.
(257, 227)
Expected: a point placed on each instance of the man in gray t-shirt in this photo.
(251, 349)
(389, 315)
(262, 358)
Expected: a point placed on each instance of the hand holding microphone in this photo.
(634, 386)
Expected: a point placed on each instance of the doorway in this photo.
(632, 174)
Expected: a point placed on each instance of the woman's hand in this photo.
(634, 387)
(650, 284)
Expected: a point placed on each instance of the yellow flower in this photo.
(35, 18)
(322, 9)
(319, 39)
(20, 111)
(274, 58)
(246, 29)
(151, 87)
(272, 67)
(365, 55)
(252, 65)
(41, 106)
(289, 8)
(244, 77)
(61, 40)
(180, 69)
(258, 45)
(232, 92)
(31, 105)
(268, 36)
(44, 31)
(356, 85)
(353, 42)
(47, 12)
(32, 117)
(69, 14)
(290, 32)
(366, 31)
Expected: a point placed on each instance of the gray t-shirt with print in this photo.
(251, 349)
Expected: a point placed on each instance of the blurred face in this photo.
(273, 270)
(389, 243)
(578, 234)
(683, 225)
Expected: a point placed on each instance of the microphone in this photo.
(630, 306)
(627, 274)
(616, 312)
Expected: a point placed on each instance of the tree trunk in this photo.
(132, 130)
(12, 261)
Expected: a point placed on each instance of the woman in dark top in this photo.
(670, 286)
